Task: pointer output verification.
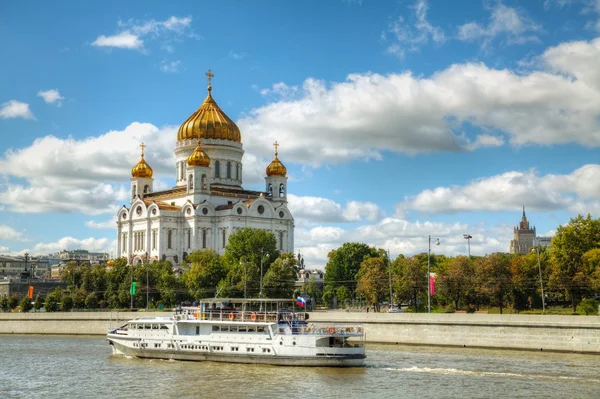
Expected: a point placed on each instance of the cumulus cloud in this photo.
(402, 35)
(367, 114)
(70, 243)
(106, 224)
(507, 22)
(578, 192)
(88, 175)
(171, 67)
(323, 210)
(15, 109)
(7, 233)
(131, 33)
(51, 96)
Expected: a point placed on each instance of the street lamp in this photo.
(262, 258)
(131, 287)
(437, 242)
(390, 273)
(468, 238)
(147, 286)
(537, 250)
(245, 275)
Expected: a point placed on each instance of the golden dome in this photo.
(142, 169)
(209, 122)
(198, 157)
(276, 168)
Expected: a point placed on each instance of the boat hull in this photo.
(276, 360)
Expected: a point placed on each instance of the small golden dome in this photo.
(142, 169)
(209, 122)
(198, 157)
(276, 168)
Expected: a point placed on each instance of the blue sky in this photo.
(397, 120)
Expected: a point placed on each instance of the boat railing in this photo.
(240, 316)
(340, 330)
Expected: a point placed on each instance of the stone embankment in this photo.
(528, 332)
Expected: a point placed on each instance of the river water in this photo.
(83, 367)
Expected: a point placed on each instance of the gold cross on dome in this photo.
(276, 144)
(142, 146)
(209, 75)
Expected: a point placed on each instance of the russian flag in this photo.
(300, 302)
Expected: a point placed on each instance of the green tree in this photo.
(4, 304)
(342, 267)
(409, 279)
(567, 249)
(280, 280)
(495, 278)
(91, 301)
(118, 284)
(242, 260)
(312, 289)
(52, 302)
(13, 301)
(456, 279)
(78, 297)
(373, 281)
(66, 302)
(204, 274)
(26, 305)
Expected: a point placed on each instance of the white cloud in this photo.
(236, 56)
(70, 243)
(368, 113)
(130, 37)
(323, 210)
(126, 40)
(577, 192)
(51, 96)
(107, 224)
(510, 23)
(171, 67)
(15, 109)
(7, 233)
(46, 178)
(405, 36)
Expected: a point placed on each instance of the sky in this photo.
(397, 120)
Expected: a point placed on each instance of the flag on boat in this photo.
(300, 302)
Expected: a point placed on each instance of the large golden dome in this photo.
(142, 169)
(198, 157)
(276, 168)
(209, 122)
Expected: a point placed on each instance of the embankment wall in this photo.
(529, 332)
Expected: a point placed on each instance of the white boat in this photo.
(263, 331)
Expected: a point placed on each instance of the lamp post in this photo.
(537, 250)
(262, 258)
(468, 238)
(131, 288)
(245, 275)
(437, 242)
(390, 273)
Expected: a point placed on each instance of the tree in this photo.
(310, 288)
(52, 301)
(373, 281)
(494, 277)
(342, 266)
(567, 250)
(26, 305)
(91, 301)
(205, 273)
(39, 302)
(456, 279)
(13, 301)
(242, 259)
(4, 304)
(66, 303)
(410, 279)
(280, 280)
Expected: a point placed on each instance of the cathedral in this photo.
(208, 202)
(524, 237)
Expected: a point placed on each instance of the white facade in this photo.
(206, 206)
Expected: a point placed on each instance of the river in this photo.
(78, 367)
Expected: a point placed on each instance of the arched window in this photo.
(146, 189)
(223, 238)
(191, 182)
(204, 187)
(237, 171)
(169, 239)
(217, 169)
(189, 234)
(133, 190)
(203, 238)
(281, 190)
(270, 190)
(229, 170)
(281, 240)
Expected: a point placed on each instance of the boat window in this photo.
(260, 329)
(224, 328)
(251, 329)
(147, 326)
(155, 326)
(215, 328)
(233, 328)
(164, 327)
(197, 330)
(242, 329)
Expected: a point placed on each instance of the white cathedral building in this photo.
(208, 202)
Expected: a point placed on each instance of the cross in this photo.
(143, 146)
(276, 144)
(209, 75)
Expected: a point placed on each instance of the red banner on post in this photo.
(431, 285)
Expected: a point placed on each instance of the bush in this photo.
(25, 304)
(66, 303)
(4, 304)
(13, 301)
(588, 306)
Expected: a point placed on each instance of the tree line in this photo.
(569, 268)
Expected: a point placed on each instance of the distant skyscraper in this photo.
(522, 241)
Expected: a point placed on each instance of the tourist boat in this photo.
(263, 331)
